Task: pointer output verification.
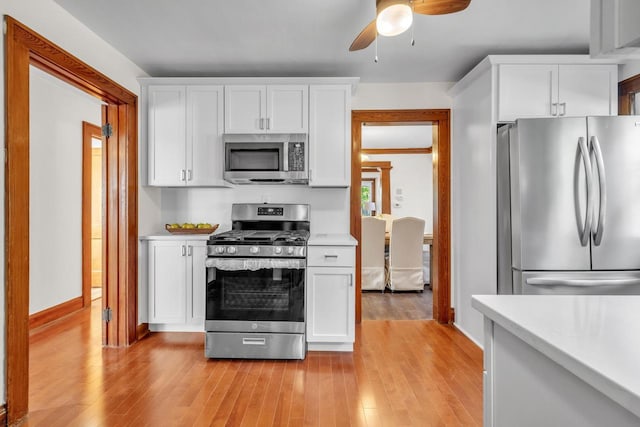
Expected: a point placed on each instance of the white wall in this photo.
(51, 21)
(329, 206)
(394, 96)
(473, 222)
(56, 113)
(412, 174)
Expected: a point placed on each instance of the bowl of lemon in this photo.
(191, 228)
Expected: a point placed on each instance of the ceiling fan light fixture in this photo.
(394, 17)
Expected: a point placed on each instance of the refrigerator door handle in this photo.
(581, 283)
(584, 152)
(602, 213)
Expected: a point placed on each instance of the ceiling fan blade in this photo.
(439, 7)
(365, 38)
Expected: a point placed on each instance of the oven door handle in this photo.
(253, 264)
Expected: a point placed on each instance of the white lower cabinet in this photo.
(330, 298)
(177, 284)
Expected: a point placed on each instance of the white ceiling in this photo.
(312, 37)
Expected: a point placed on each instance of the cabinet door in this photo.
(204, 135)
(330, 304)
(166, 156)
(167, 281)
(287, 109)
(527, 91)
(244, 109)
(330, 136)
(588, 90)
(196, 281)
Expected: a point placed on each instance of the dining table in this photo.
(426, 240)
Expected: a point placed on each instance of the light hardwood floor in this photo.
(389, 305)
(402, 373)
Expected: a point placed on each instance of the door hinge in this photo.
(106, 314)
(107, 130)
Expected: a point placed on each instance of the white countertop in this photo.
(165, 235)
(595, 337)
(331, 239)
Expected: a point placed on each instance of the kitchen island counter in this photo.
(595, 338)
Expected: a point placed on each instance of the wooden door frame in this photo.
(89, 131)
(24, 47)
(626, 93)
(441, 150)
(385, 182)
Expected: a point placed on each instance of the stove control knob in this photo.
(254, 249)
(219, 249)
(277, 250)
(231, 250)
(290, 250)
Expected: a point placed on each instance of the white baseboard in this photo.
(466, 334)
(330, 346)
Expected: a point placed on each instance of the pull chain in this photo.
(375, 59)
(413, 41)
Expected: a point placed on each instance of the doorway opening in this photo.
(25, 48)
(440, 254)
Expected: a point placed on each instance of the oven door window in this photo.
(263, 295)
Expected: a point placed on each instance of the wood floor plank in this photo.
(401, 373)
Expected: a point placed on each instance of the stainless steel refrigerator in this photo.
(569, 206)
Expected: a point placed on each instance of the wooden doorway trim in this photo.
(24, 47)
(441, 257)
(89, 131)
(627, 91)
(385, 182)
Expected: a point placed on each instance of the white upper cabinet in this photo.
(245, 109)
(166, 109)
(556, 90)
(205, 154)
(588, 90)
(266, 109)
(329, 135)
(615, 31)
(185, 135)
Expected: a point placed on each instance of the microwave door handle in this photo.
(285, 155)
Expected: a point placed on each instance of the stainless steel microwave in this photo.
(266, 158)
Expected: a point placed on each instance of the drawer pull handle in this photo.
(254, 341)
(330, 256)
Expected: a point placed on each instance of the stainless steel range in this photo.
(255, 303)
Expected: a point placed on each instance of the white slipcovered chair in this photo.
(373, 276)
(405, 255)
